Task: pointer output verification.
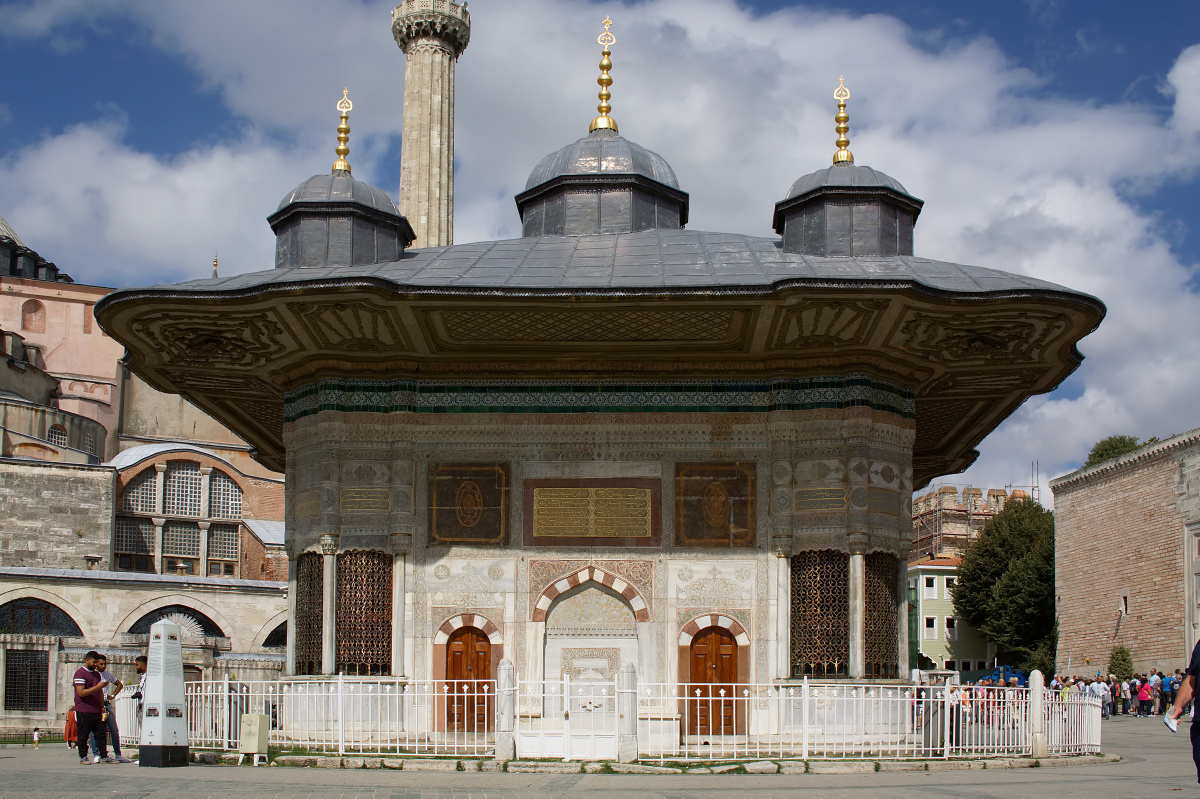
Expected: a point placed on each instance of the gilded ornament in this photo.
(468, 504)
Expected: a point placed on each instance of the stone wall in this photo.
(55, 515)
(1124, 558)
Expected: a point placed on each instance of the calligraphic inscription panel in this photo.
(714, 504)
(814, 499)
(364, 500)
(468, 503)
(593, 513)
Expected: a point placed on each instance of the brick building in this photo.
(1126, 566)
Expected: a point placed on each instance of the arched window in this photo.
(191, 621)
(182, 494)
(89, 444)
(57, 436)
(224, 497)
(139, 493)
(277, 637)
(33, 317)
(37, 617)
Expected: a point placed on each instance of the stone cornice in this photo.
(1125, 463)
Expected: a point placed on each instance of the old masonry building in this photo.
(614, 439)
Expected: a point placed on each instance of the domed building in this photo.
(614, 439)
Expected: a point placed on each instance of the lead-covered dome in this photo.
(602, 183)
(335, 220)
(847, 176)
(603, 152)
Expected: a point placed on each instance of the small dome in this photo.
(603, 152)
(340, 187)
(847, 175)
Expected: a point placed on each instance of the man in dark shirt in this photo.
(89, 705)
(1186, 691)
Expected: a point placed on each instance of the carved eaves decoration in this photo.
(971, 359)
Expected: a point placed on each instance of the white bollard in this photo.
(627, 714)
(1037, 715)
(506, 710)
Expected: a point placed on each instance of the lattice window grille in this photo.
(181, 539)
(820, 635)
(310, 580)
(224, 497)
(26, 680)
(134, 536)
(223, 542)
(89, 444)
(882, 616)
(57, 436)
(182, 494)
(364, 613)
(139, 495)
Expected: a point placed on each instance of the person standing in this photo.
(89, 705)
(139, 664)
(109, 718)
(1143, 696)
(37, 733)
(1187, 691)
(1125, 697)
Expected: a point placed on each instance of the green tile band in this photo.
(531, 396)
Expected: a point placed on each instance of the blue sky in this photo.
(1056, 138)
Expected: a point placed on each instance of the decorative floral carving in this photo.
(828, 324)
(591, 612)
(468, 588)
(997, 337)
(245, 340)
(715, 591)
(351, 327)
(581, 663)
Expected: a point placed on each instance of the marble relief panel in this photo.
(470, 583)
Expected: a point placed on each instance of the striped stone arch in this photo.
(713, 620)
(594, 575)
(468, 620)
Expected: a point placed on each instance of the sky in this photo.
(1053, 138)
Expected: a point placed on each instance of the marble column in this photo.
(202, 565)
(858, 604)
(329, 605)
(902, 619)
(160, 481)
(782, 562)
(400, 545)
(291, 610)
(158, 536)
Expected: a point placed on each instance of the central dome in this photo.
(602, 183)
(603, 152)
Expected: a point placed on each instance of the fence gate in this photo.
(574, 720)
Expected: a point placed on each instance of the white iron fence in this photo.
(608, 720)
(349, 715)
(824, 721)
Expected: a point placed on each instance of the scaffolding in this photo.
(944, 524)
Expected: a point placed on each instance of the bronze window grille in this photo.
(37, 617)
(26, 680)
(364, 613)
(820, 614)
(310, 581)
(882, 616)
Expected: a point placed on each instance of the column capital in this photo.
(781, 546)
(158, 521)
(400, 543)
(204, 525)
(328, 545)
(160, 467)
(856, 543)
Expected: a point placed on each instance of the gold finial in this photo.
(214, 265)
(606, 40)
(842, 94)
(345, 107)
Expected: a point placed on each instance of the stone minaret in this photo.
(432, 34)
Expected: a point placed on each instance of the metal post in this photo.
(506, 710)
(341, 713)
(627, 714)
(804, 719)
(566, 695)
(225, 709)
(946, 721)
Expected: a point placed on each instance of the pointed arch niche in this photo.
(586, 625)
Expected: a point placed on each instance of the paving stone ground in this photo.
(1155, 764)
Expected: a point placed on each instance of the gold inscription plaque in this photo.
(820, 499)
(364, 499)
(591, 513)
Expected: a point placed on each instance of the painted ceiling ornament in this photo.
(344, 106)
(605, 40)
(842, 94)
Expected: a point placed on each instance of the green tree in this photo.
(1005, 584)
(1114, 447)
(1120, 662)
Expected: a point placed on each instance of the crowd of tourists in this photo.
(1145, 695)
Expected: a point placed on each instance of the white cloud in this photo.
(740, 105)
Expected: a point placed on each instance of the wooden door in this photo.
(468, 679)
(712, 709)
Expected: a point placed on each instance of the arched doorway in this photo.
(469, 683)
(712, 707)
